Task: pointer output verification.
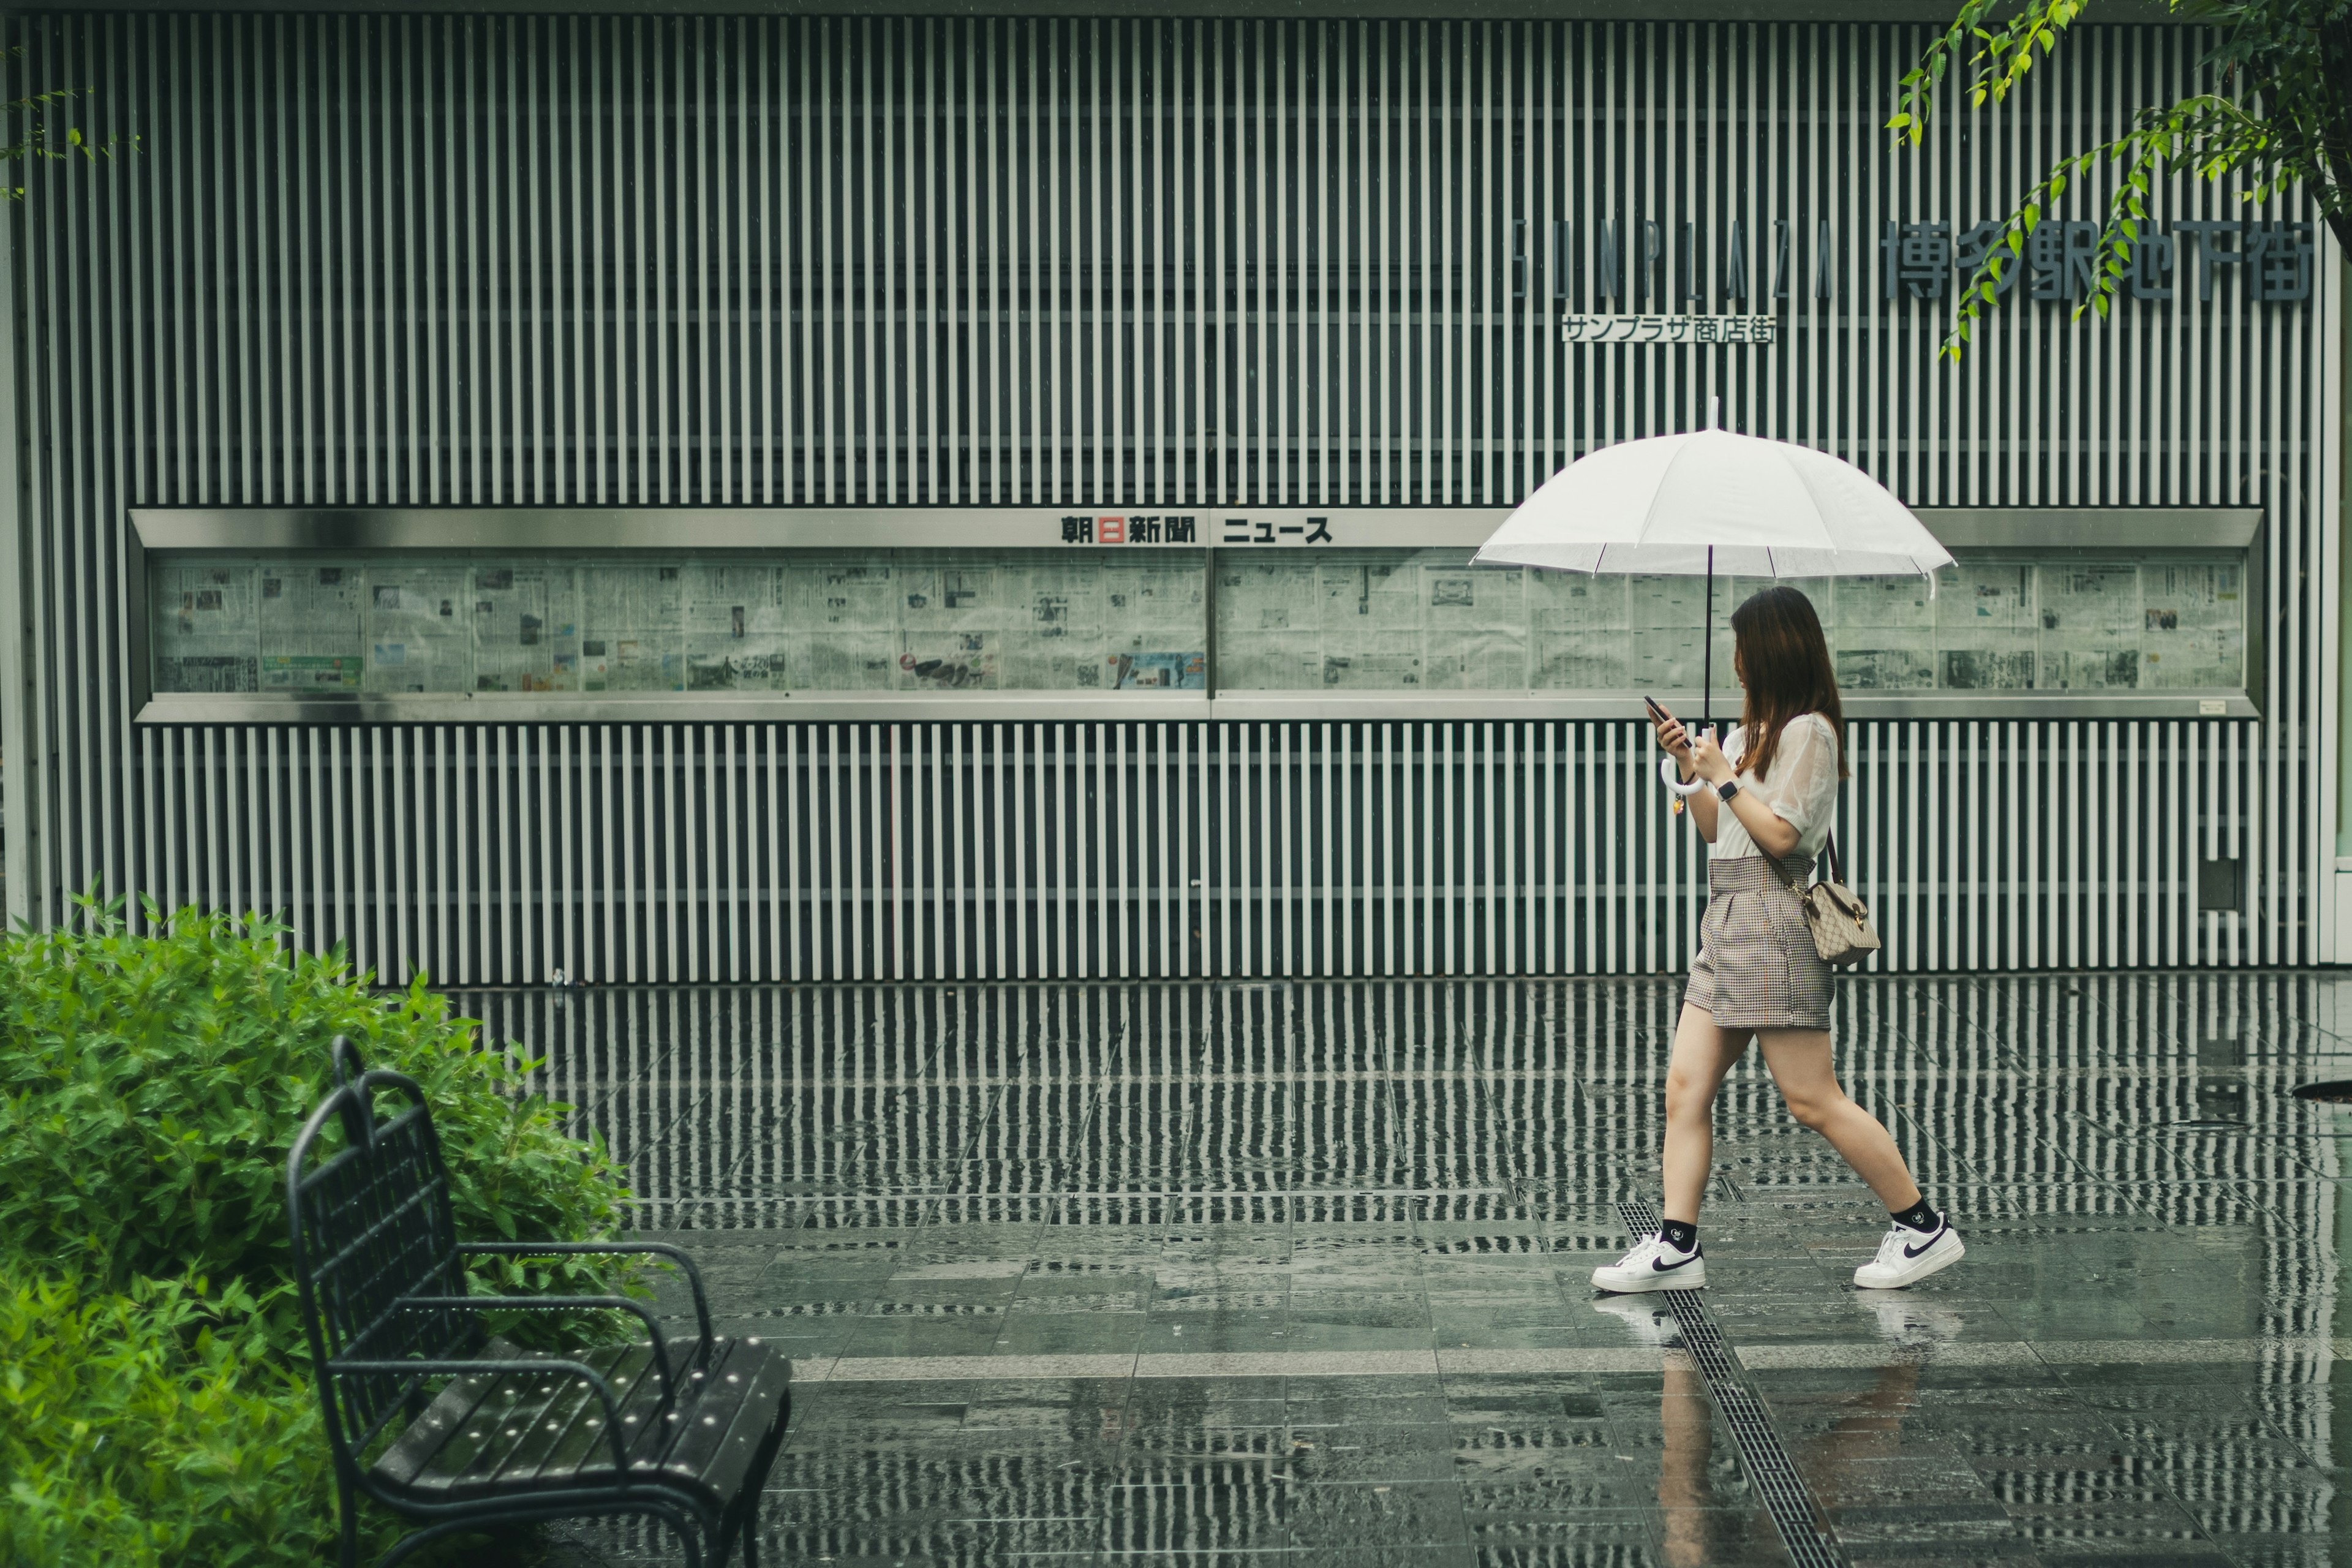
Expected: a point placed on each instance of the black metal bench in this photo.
(496, 1435)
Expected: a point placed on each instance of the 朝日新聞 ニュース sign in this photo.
(1196, 528)
(1253, 528)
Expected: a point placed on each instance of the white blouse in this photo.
(1802, 792)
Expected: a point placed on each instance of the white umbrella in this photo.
(1710, 500)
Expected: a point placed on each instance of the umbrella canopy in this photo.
(1712, 502)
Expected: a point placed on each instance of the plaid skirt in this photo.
(1757, 967)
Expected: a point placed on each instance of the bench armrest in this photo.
(562, 1304)
(603, 1390)
(608, 1249)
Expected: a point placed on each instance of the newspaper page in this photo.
(631, 635)
(203, 620)
(514, 619)
(736, 631)
(1579, 633)
(1668, 617)
(1372, 615)
(419, 619)
(1053, 633)
(1984, 627)
(1888, 604)
(1162, 672)
(1882, 632)
(1475, 622)
(953, 612)
(2088, 622)
(308, 627)
(1269, 636)
(2193, 625)
(849, 606)
(1153, 623)
(1886, 668)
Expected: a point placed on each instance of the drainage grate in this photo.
(1767, 1459)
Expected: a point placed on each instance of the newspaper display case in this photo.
(517, 614)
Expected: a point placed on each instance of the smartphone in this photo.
(1663, 717)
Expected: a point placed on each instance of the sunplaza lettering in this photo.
(1621, 267)
(1631, 262)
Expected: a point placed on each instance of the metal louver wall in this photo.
(740, 1107)
(621, 261)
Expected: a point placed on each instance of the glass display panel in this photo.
(1353, 622)
(1410, 620)
(966, 620)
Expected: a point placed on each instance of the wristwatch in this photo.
(1727, 788)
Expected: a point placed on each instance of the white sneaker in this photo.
(1648, 1323)
(1914, 1322)
(1904, 1258)
(1651, 1265)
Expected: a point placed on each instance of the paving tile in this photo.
(2287, 1550)
(1328, 1514)
(1127, 1274)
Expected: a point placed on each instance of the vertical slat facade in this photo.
(423, 260)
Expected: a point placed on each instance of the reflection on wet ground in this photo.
(1296, 1272)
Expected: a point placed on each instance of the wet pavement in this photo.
(1297, 1273)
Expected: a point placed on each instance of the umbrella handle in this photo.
(1670, 774)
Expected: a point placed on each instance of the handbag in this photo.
(1835, 913)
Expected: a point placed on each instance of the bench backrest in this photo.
(371, 1225)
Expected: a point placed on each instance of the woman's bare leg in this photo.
(1702, 1055)
(1800, 1064)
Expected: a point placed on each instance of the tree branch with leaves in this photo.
(35, 140)
(2276, 114)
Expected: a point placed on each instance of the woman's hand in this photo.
(1707, 761)
(1675, 741)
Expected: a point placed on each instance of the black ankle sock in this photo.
(1919, 1218)
(1680, 1234)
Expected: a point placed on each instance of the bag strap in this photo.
(1796, 883)
(1828, 868)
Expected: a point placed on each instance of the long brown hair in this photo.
(1785, 661)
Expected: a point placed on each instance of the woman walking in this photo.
(1757, 975)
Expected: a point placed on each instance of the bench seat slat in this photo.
(527, 1433)
(535, 1394)
(444, 1419)
(562, 1439)
(722, 1434)
(438, 1454)
(582, 1442)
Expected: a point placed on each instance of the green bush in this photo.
(156, 1395)
(153, 1425)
